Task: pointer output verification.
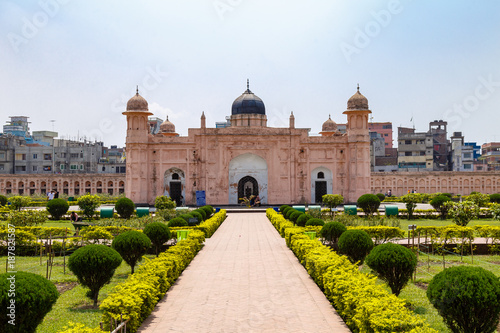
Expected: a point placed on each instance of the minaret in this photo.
(137, 119)
(203, 120)
(292, 120)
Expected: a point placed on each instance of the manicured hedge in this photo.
(364, 305)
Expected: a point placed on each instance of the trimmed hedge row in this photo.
(136, 298)
(364, 305)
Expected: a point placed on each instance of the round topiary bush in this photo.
(57, 208)
(158, 233)
(197, 215)
(285, 210)
(282, 208)
(3, 200)
(314, 221)
(125, 207)
(331, 231)
(164, 202)
(208, 211)
(369, 203)
(468, 298)
(186, 217)
(393, 263)
(289, 213)
(34, 296)
(202, 212)
(131, 245)
(438, 204)
(355, 244)
(493, 198)
(380, 196)
(94, 266)
(302, 219)
(294, 216)
(177, 222)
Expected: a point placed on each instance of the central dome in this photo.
(248, 103)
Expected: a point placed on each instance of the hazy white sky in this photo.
(78, 62)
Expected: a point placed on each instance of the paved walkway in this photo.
(245, 279)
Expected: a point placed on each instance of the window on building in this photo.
(2, 156)
(407, 153)
(63, 155)
(103, 168)
(81, 166)
(2, 167)
(47, 157)
(74, 155)
(422, 153)
(387, 126)
(407, 142)
(34, 168)
(62, 166)
(385, 134)
(321, 175)
(73, 167)
(467, 166)
(467, 155)
(20, 167)
(35, 156)
(20, 157)
(386, 144)
(81, 155)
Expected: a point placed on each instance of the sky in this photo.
(78, 62)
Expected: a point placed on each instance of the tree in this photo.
(468, 298)
(88, 204)
(438, 204)
(34, 296)
(125, 207)
(332, 201)
(331, 232)
(393, 264)
(57, 208)
(158, 233)
(462, 212)
(3, 200)
(479, 199)
(369, 203)
(94, 266)
(355, 244)
(131, 245)
(411, 200)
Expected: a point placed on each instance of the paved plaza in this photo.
(245, 279)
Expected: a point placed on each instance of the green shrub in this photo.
(294, 216)
(202, 212)
(186, 217)
(125, 207)
(355, 244)
(166, 214)
(289, 213)
(197, 215)
(462, 212)
(57, 208)
(315, 221)
(3, 200)
(27, 218)
(331, 231)
(285, 210)
(447, 195)
(208, 211)
(438, 204)
(369, 203)
(177, 222)
(282, 208)
(393, 264)
(380, 196)
(34, 296)
(479, 199)
(88, 204)
(495, 198)
(158, 233)
(164, 202)
(19, 201)
(94, 266)
(131, 245)
(468, 298)
(302, 219)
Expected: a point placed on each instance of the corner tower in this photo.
(358, 140)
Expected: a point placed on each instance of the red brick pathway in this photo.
(245, 279)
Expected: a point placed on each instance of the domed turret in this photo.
(357, 102)
(137, 103)
(329, 125)
(248, 103)
(167, 127)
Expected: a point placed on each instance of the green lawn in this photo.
(72, 305)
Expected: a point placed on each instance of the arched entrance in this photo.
(247, 186)
(247, 171)
(174, 185)
(321, 184)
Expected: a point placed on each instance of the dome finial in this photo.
(329, 116)
(137, 90)
(167, 117)
(358, 87)
(248, 84)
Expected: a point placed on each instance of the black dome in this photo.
(248, 103)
